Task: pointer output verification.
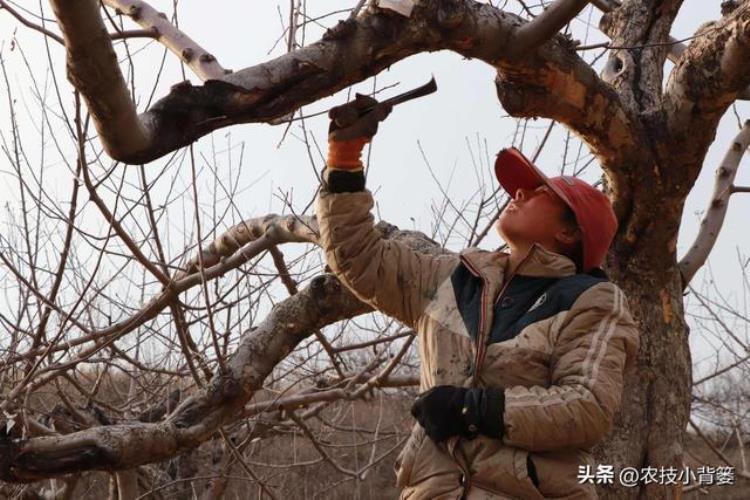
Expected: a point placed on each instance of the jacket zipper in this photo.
(481, 345)
(483, 331)
(482, 320)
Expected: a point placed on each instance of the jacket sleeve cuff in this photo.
(483, 411)
(343, 181)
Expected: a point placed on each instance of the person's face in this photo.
(534, 216)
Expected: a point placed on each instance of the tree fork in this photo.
(353, 51)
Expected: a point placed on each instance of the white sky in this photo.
(465, 110)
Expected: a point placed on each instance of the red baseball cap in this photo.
(592, 208)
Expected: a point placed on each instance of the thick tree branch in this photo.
(713, 219)
(675, 47)
(704, 83)
(200, 61)
(354, 50)
(283, 229)
(679, 124)
(543, 27)
(119, 447)
(94, 71)
(552, 84)
(636, 70)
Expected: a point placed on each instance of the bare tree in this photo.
(68, 314)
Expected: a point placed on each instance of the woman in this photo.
(522, 352)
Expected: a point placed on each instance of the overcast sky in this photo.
(464, 112)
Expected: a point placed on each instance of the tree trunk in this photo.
(650, 425)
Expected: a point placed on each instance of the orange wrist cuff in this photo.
(345, 155)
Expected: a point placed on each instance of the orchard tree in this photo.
(650, 138)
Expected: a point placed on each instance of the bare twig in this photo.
(41, 29)
(542, 27)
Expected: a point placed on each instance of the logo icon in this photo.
(541, 300)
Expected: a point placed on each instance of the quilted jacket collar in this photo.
(539, 262)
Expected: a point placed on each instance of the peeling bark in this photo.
(705, 82)
(643, 27)
(569, 91)
(355, 50)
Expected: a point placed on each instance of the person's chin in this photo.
(505, 230)
(499, 226)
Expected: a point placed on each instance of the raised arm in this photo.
(387, 274)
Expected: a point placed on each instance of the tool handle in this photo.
(345, 115)
(426, 89)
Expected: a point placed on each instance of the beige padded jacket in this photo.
(556, 341)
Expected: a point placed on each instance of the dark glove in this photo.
(352, 126)
(446, 411)
(356, 119)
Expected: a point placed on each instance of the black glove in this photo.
(352, 126)
(446, 411)
(357, 119)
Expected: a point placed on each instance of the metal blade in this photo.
(427, 88)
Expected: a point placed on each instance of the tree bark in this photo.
(649, 428)
(351, 52)
(665, 141)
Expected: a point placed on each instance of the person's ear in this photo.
(568, 235)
